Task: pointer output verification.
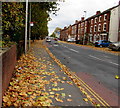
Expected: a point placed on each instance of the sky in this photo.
(72, 10)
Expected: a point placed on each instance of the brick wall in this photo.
(8, 65)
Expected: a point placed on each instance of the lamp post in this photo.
(26, 26)
(84, 28)
(85, 12)
(30, 26)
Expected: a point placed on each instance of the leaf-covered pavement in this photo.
(39, 81)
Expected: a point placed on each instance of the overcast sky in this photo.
(72, 10)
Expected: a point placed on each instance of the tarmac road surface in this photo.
(96, 68)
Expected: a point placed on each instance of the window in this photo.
(104, 26)
(85, 29)
(90, 38)
(105, 17)
(95, 20)
(104, 37)
(100, 18)
(99, 27)
(85, 23)
(95, 28)
(91, 29)
(82, 24)
(79, 31)
(91, 21)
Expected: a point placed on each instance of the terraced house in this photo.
(101, 26)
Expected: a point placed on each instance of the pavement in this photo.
(39, 81)
(95, 67)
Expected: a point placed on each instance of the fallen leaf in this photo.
(59, 100)
(5, 99)
(69, 100)
(52, 93)
(117, 77)
(63, 94)
(70, 82)
(85, 99)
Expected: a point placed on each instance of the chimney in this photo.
(65, 27)
(76, 21)
(98, 12)
(119, 2)
(82, 18)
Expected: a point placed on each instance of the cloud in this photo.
(72, 10)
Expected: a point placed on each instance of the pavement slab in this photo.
(39, 81)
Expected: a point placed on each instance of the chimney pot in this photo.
(98, 12)
(82, 18)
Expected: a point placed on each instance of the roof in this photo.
(108, 10)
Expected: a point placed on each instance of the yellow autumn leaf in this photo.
(117, 77)
(59, 100)
(5, 99)
(85, 99)
(69, 100)
(23, 94)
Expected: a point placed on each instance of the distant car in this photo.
(114, 46)
(48, 40)
(71, 40)
(102, 43)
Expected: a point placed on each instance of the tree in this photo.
(13, 21)
(53, 35)
(40, 17)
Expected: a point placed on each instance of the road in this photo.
(96, 68)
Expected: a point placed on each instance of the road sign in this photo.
(31, 24)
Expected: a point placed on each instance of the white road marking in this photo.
(55, 45)
(103, 60)
(71, 49)
(74, 50)
(114, 63)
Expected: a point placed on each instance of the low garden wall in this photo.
(8, 64)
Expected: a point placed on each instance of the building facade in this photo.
(114, 24)
(101, 26)
(64, 34)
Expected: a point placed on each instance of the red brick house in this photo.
(64, 34)
(91, 29)
(99, 26)
(74, 29)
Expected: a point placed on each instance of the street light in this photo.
(30, 26)
(85, 12)
(26, 26)
(84, 27)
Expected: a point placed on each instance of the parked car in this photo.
(48, 40)
(114, 46)
(102, 43)
(71, 40)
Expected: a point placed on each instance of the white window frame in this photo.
(96, 20)
(85, 29)
(99, 27)
(91, 38)
(100, 18)
(91, 21)
(95, 28)
(105, 17)
(104, 26)
(85, 23)
(91, 28)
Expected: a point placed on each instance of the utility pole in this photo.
(84, 27)
(30, 26)
(26, 26)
